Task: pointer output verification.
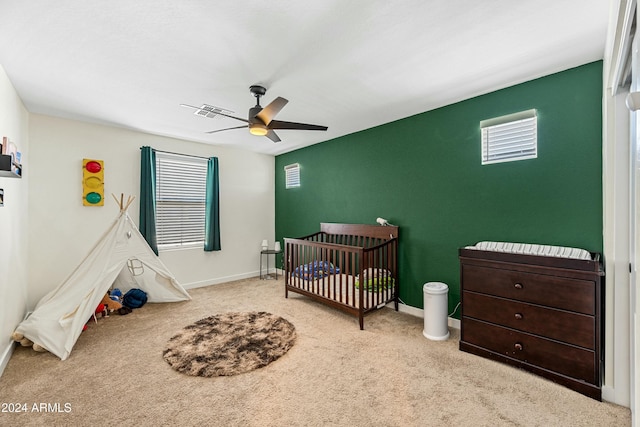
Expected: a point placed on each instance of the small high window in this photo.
(292, 175)
(509, 138)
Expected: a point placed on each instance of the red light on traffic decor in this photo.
(92, 182)
(93, 166)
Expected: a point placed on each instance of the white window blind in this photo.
(180, 200)
(509, 138)
(292, 175)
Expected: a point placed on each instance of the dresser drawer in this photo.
(562, 358)
(552, 291)
(573, 328)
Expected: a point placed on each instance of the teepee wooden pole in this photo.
(123, 206)
(117, 201)
(130, 200)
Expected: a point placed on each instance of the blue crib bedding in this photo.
(315, 270)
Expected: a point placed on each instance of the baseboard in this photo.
(8, 350)
(203, 283)
(6, 355)
(610, 394)
(418, 312)
(454, 323)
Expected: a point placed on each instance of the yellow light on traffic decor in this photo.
(92, 182)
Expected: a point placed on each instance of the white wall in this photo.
(14, 123)
(62, 230)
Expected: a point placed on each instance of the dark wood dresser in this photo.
(542, 314)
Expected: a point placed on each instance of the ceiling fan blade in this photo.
(222, 130)
(272, 136)
(269, 112)
(278, 124)
(234, 117)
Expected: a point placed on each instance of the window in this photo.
(509, 138)
(292, 175)
(180, 200)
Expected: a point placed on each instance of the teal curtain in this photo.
(148, 196)
(212, 208)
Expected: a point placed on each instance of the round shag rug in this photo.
(229, 344)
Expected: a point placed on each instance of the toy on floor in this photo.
(134, 298)
(116, 295)
(26, 342)
(107, 305)
(110, 304)
(101, 311)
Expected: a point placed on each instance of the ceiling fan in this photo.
(260, 120)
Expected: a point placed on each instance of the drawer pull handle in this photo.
(518, 316)
(518, 346)
(518, 285)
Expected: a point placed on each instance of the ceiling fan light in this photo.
(258, 129)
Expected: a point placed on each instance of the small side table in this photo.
(268, 252)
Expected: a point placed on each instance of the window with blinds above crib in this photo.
(510, 138)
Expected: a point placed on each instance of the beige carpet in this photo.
(335, 375)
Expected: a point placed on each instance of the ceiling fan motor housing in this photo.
(257, 90)
(257, 126)
(253, 111)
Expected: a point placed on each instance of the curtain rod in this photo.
(179, 154)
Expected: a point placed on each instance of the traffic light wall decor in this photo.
(92, 182)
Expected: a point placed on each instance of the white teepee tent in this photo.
(122, 256)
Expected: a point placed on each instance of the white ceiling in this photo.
(346, 65)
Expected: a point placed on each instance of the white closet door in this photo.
(634, 241)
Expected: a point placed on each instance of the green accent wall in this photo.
(424, 174)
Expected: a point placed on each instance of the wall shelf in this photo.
(8, 168)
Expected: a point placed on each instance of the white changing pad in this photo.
(531, 249)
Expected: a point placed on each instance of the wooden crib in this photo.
(351, 267)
